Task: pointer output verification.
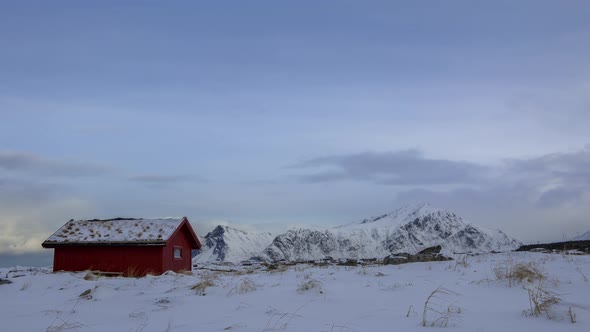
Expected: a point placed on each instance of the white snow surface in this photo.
(300, 298)
(408, 229)
(115, 230)
(229, 244)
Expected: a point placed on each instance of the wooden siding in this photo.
(180, 238)
(131, 261)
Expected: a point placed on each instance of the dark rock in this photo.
(5, 282)
(431, 250)
(395, 260)
(429, 256)
(349, 262)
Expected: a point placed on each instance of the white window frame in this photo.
(175, 251)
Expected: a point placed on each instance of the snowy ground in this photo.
(302, 298)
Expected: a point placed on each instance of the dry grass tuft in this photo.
(527, 272)
(439, 304)
(337, 328)
(541, 299)
(411, 311)
(461, 261)
(277, 268)
(243, 286)
(310, 285)
(207, 280)
(202, 286)
(572, 315)
(518, 273)
(90, 276)
(64, 326)
(25, 285)
(279, 321)
(584, 276)
(132, 271)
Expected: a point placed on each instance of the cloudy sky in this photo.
(272, 114)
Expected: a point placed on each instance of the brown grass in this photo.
(280, 321)
(310, 284)
(438, 303)
(518, 273)
(572, 315)
(207, 280)
(132, 271)
(541, 299)
(245, 285)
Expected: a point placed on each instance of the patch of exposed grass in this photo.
(439, 310)
(572, 315)
(277, 268)
(25, 285)
(541, 299)
(518, 273)
(279, 321)
(90, 276)
(207, 280)
(310, 285)
(243, 286)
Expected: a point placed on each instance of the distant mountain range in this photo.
(228, 244)
(408, 229)
(583, 237)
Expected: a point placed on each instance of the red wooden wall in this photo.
(180, 238)
(132, 260)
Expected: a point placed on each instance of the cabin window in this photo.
(177, 252)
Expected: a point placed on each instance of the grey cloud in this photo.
(537, 194)
(568, 174)
(407, 167)
(560, 196)
(565, 163)
(156, 181)
(328, 176)
(570, 171)
(513, 209)
(33, 164)
(159, 178)
(19, 191)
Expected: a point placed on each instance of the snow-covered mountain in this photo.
(228, 244)
(583, 237)
(408, 229)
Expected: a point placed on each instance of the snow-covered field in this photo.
(304, 298)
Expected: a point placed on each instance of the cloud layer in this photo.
(36, 165)
(407, 167)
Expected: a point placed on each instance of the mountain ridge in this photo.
(583, 237)
(408, 229)
(230, 244)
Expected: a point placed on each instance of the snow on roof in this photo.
(119, 230)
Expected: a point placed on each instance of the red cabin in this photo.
(133, 247)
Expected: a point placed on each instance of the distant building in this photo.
(127, 246)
